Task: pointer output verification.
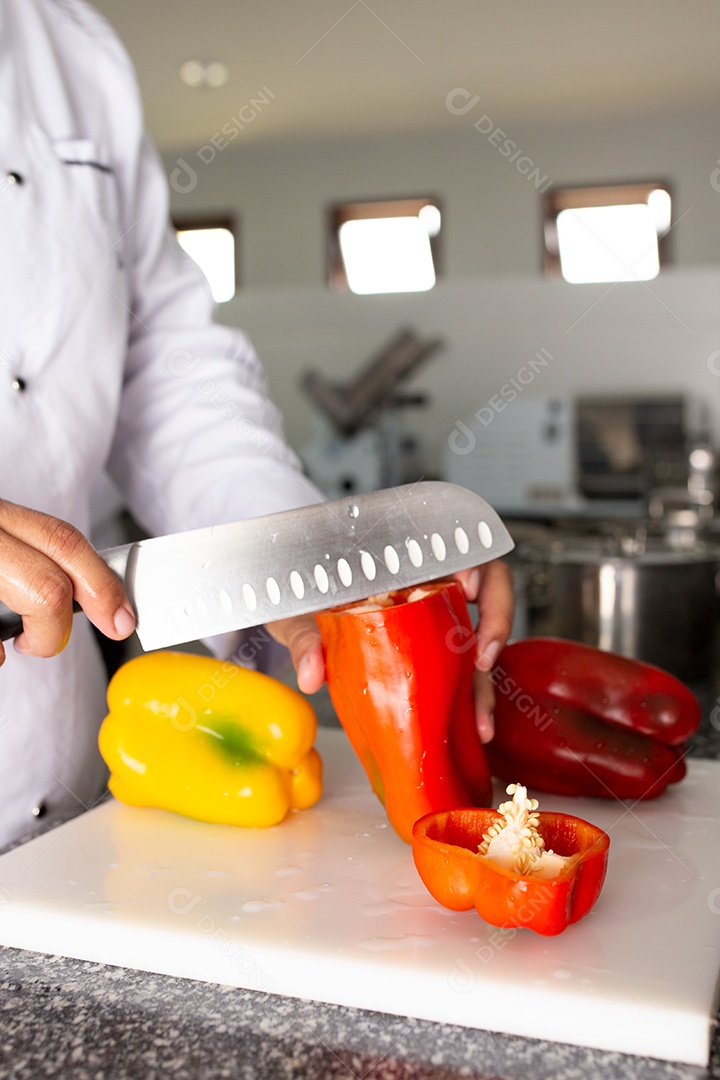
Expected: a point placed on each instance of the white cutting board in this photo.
(328, 906)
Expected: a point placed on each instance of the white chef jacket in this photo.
(108, 359)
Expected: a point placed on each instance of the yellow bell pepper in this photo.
(210, 740)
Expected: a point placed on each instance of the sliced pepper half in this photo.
(453, 853)
(210, 740)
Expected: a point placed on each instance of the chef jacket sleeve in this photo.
(198, 441)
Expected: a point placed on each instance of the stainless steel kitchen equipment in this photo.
(227, 577)
(631, 593)
(351, 406)
(627, 445)
(362, 442)
(594, 456)
(688, 513)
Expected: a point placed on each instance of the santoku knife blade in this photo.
(209, 581)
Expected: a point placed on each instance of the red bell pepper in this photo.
(454, 858)
(400, 675)
(574, 720)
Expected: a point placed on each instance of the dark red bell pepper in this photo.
(400, 675)
(575, 720)
(455, 862)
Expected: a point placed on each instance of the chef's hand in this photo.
(489, 586)
(45, 564)
(302, 637)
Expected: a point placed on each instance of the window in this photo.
(384, 246)
(211, 243)
(612, 232)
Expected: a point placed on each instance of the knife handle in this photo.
(11, 623)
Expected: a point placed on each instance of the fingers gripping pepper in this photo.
(210, 740)
(400, 675)
(574, 720)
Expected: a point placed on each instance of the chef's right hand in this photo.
(45, 564)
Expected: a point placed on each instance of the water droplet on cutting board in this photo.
(389, 944)
(384, 907)
(226, 604)
(253, 906)
(289, 871)
(313, 893)
(108, 907)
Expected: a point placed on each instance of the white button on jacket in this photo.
(109, 359)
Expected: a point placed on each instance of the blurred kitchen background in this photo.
(560, 352)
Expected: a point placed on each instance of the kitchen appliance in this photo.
(688, 513)
(628, 592)
(559, 455)
(328, 906)
(226, 577)
(361, 442)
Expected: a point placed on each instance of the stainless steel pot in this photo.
(637, 596)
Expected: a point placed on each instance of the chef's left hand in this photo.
(489, 586)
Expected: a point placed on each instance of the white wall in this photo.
(492, 212)
(493, 308)
(656, 336)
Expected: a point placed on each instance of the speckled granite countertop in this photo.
(82, 1021)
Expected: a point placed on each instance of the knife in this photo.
(209, 581)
